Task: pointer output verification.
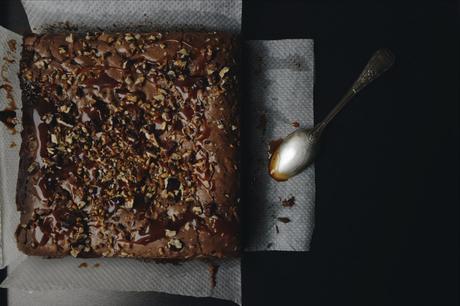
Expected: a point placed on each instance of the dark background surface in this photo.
(387, 213)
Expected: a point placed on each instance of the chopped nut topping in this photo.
(132, 98)
(175, 244)
(180, 64)
(183, 52)
(223, 71)
(74, 252)
(166, 116)
(197, 210)
(139, 80)
(69, 139)
(169, 233)
(64, 108)
(172, 213)
(128, 80)
(129, 203)
(33, 166)
(29, 75)
(129, 37)
(220, 125)
(47, 118)
(69, 38)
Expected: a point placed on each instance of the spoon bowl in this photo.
(298, 150)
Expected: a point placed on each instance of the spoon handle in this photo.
(380, 62)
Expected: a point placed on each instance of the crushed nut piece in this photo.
(69, 38)
(183, 52)
(139, 80)
(197, 210)
(175, 244)
(170, 233)
(74, 252)
(223, 71)
(129, 37)
(129, 203)
(54, 138)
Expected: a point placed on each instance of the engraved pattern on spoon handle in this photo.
(380, 62)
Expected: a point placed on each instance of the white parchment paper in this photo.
(190, 278)
(280, 93)
(9, 149)
(280, 82)
(223, 15)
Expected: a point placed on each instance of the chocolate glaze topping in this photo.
(129, 145)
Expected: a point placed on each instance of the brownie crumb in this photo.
(213, 268)
(284, 219)
(295, 124)
(288, 202)
(262, 123)
(83, 265)
(8, 88)
(269, 245)
(8, 117)
(8, 60)
(12, 144)
(97, 265)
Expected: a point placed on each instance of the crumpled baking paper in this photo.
(280, 86)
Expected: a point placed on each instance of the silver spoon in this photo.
(297, 151)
